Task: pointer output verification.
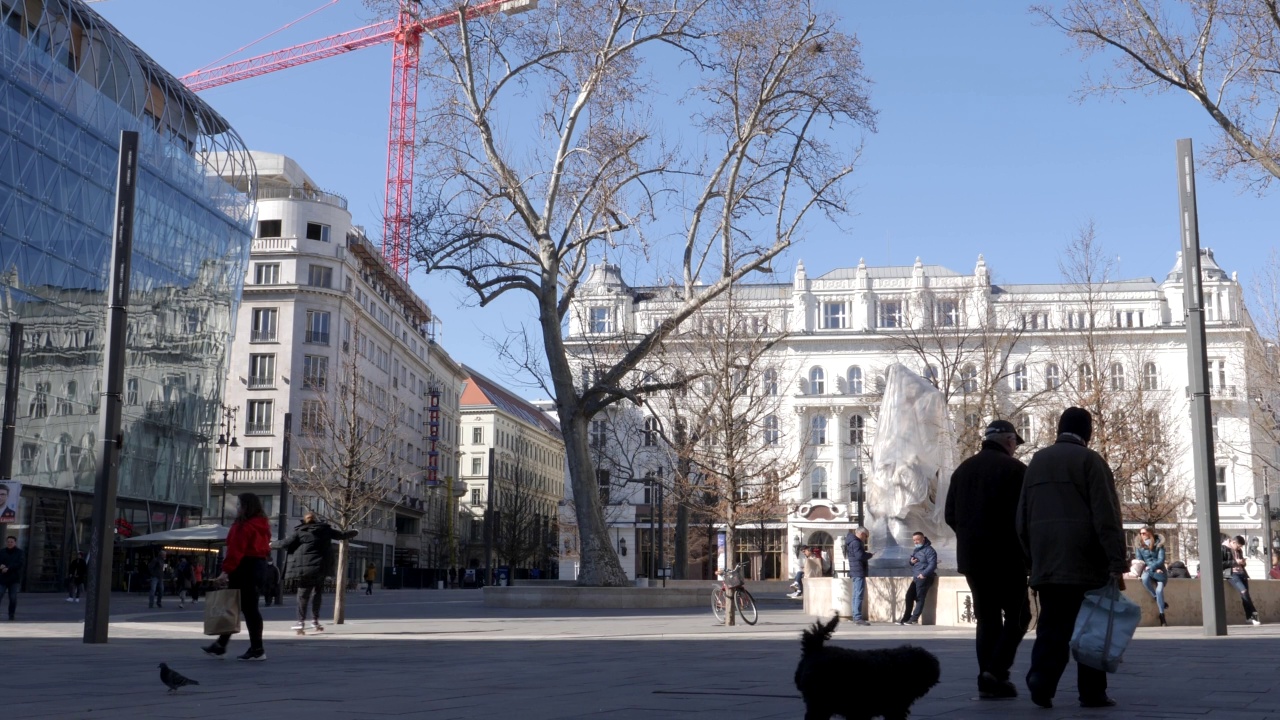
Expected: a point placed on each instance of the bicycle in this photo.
(732, 584)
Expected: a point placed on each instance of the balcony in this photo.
(262, 382)
(301, 193)
(262, 336)
(313, 382)
(275, 245)
(257, 428)
(319, 338)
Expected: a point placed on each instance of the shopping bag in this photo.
(1104, 627)
(222, 612)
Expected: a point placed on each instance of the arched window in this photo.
(1150, 377)
(770, 382)
(856, 488)
(855, 380)
(818, 430)
(1084, 377)
(1117, 376)
(1020, 382)
(817, 381)
(969, 379)
(771, 433)
(818, 483)
(1052, 377)
(857, 430)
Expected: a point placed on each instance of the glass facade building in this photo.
(69, 84)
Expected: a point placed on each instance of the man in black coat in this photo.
(855, 552)
(982, 504)
(1069, 525)
(12, 561)
(310, 548)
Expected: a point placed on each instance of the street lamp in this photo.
(226, 441)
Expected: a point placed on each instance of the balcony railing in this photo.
(299, 193)
(320, 338)
(257, 382)
(257, 428)
(262, 336)
(274, 244)
(313, 382)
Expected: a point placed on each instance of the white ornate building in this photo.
(1017, 351)
(319, 301)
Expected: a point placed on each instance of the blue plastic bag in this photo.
(1104, 627)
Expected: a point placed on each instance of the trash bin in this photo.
(842, 596)
(504, 577)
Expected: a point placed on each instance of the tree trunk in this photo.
(339, 586)
(730, 613)
(599, 563)
(680, 563)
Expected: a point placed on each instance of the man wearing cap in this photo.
(982, 504)
(1069, 526)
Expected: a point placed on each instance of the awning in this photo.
(198, 534)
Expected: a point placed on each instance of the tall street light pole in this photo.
(226, 441)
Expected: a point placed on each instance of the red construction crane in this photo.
(406, 31)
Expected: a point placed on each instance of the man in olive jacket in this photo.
(310, 548)
(982, 504)
(1069, 526)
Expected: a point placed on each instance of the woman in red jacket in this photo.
(248, 543)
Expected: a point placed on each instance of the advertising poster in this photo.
(10, 490)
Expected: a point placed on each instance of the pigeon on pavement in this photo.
(173, 678)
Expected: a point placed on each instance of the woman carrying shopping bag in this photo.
(1150, 551)
(248, 543)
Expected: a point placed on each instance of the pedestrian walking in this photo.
(311, 560)
(248, 544)
(1236, 574)
(1068, 523)
(1150, 551)
(183, 578)
(77, 571)
(855, 549)
(270, 582)
(981, 506)
(924, 566)
(797, 584)
(370, 574)
(12, 562)
(156, 570)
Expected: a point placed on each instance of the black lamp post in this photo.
(226, 441)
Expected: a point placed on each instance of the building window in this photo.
(131, 391)
(269, 228)
(39, 406)
(262, 371)
(818, 430)
(1052, 376)
(1020, 381)
(477, 465)
(1035, 321)
(318, 327)
(1022, 424)
(1218, 375)
(258, 418)
(315, 371)
(265, 322)
(475, 494)
(857, 430)
(599, 431)
(67, 401)
(30, 452)
(317, 231)
(948, 314)
(889, 314)
(650, 431)
(1150, 377)
(771, 433)
(320, 276)
(601, 319)
(770, 382)
(853, 378)
(1078, 320)
(818, 484)
(257, 458)
(969, 379)
(817, 381)
(266, 273)
(602, 482)
(1117, 377)
(311, 417)
(833, 315)
(1128, 318)
(477, 436)
(1084, 377)
(1220, 482)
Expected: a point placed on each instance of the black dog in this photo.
(861, 684)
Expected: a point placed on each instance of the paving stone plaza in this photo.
(442, 654)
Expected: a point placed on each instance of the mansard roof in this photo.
(480, 391)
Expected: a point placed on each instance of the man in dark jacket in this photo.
(855, 552)
(12, 562)
(924, 566)
(156, 571)
(982, 503)
(77, 571)
(310, 548)
(1069, 526)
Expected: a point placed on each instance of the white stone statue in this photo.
(911, 463)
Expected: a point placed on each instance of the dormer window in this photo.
(601, 319)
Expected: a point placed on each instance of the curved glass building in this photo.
(69, 83)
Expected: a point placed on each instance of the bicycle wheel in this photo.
(746, 606)
(717, 604)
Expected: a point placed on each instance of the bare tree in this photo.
(350, 455)
(522, 515)
(545, 151)
(1223, 53)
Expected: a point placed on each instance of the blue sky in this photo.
(981, 147)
